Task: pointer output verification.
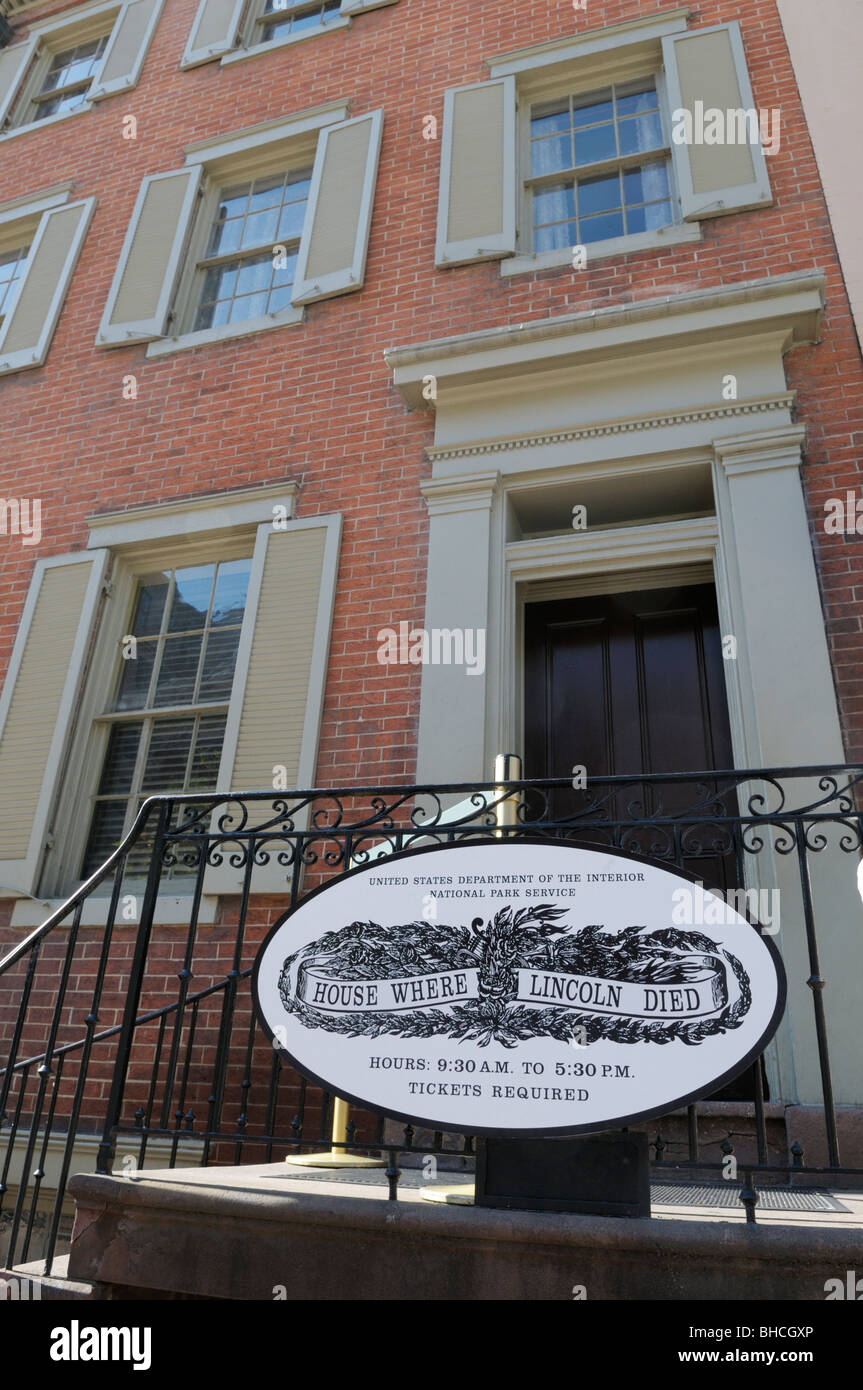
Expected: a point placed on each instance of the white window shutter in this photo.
(213, 32)
(276, 702)
(139, 298)
(14, 62)
(477, 197)
(126, 48)
(29, 327)
(332, 255)
(36, 705)
(708, 66)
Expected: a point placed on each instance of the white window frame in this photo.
(54, 35)
(220, 526)
(674, 232)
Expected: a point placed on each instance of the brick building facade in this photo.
(402, 435)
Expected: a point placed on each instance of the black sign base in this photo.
(597, 1175)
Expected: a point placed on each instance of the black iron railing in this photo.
(135, 1039)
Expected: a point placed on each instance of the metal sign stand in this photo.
(605, 1174)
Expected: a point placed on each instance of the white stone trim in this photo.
(265, 133)
(42, 125)
(792, 305)
(652, 27)
(258, 49)
(676, 234)
(203, 337)
(757, 452)
(16, 209)
(215, 511)
(604, 428)
(169, 910)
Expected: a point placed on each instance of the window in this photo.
(251, 254)
(168, 715)
(599, 140)
(569, 142)
(12, 265)
(280, 18)
(40, 240)
(71, 60)
(64, 86)
(254, 227)
(229, 30)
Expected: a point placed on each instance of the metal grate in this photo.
(663, 1194)
(721, 1194)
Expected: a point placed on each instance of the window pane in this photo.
(592, 107)
(106, 833)
(191, 599)
(598, 195)
(150, 606)
(74, 65)
(120, 758)
(633, 98)
(252, 306)
(548, 118)
(254, 275)
(554, 204)
(595, 144)
(135, 680)
(260, 228)
(555, 237)
(279, 298)
(601, 228)
(546, 156)
(291, 221)
(208, 753)
(266, 193)
(646, 184)
(219, 662)
(11, 269)
(232, 586)
(167, 755)
(658, 215)
(642, 133)
(227, 232)
(176, 680)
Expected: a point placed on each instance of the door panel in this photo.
(631, 683)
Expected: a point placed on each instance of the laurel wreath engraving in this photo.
(513, 940)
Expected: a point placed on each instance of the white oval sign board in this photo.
(518, 986)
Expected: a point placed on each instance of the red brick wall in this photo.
(316, 403)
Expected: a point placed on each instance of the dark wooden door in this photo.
(633, 683)
(625, 684)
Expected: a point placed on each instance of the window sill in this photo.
(674, 235)
(206, 336)
(170, 910)
(341, 23)
(43, 125)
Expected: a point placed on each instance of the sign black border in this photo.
(666, 1108)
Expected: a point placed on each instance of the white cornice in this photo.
(780, 448)
(788, 305)
(448, 495)
(726, 410)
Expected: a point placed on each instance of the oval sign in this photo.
(518, 986)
